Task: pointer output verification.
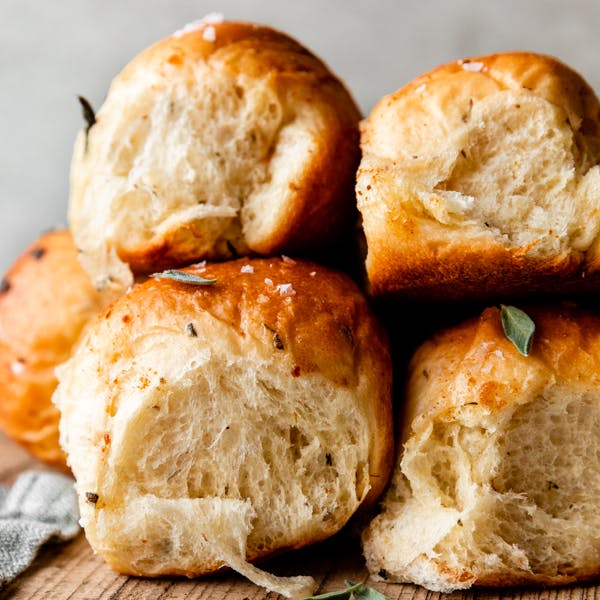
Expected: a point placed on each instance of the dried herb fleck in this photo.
(328, 459)
(37, 253)
(276, 339)
(191, 330)
(4, 285)
(91, 497)
(232, 249)
(348, 333)
(173, 474)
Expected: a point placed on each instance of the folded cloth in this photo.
(38, 507)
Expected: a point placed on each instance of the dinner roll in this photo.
(207, 425)
(46, 299)
(481, 178)
(498, 482)
(224, 139)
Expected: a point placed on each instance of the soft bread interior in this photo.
(185, 159)
(179, 426)
(476, 499)
(514, 169)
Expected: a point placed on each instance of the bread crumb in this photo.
(247, 269)
(209, 34)
(286, 289)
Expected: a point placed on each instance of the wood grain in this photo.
(72, 571)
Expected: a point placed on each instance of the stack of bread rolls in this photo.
(217, 413)
(480, 181)
(221, 402)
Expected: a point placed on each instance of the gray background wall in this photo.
(52, 50)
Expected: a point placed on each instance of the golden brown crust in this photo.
(416, 256)
(481, 270)
(566, 348)
(46, 300)
(321, 209)
(328, 327)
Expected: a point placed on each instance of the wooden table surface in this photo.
(72, 571)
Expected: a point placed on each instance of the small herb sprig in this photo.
(518, 328)
(88, 114)
(183, 277)
(358, 591)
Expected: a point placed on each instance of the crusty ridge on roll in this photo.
(499, 477)
(210, 425)
(481, 178)
(46, 299)
(224, 139)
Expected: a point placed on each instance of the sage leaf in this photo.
(89, 115)
(366, 593)
(88, 112)
(357, 590)
(183, 277)
(518, 328)
(339, 595)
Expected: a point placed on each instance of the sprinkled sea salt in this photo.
(213, 17)
(17, 367)
(247, 269)
(312, 273)
(472, 66)
(269, 282)
(262, 298)
(421, 88)
(286, 289)
(499, 354)
(187, 28)
(209, 34)
(287, 259)
(201, 266)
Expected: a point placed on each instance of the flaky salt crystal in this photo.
(247, 269)
(472, 66)
(213, 17)
(17, 367)
(209, 34)
(286, 289)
